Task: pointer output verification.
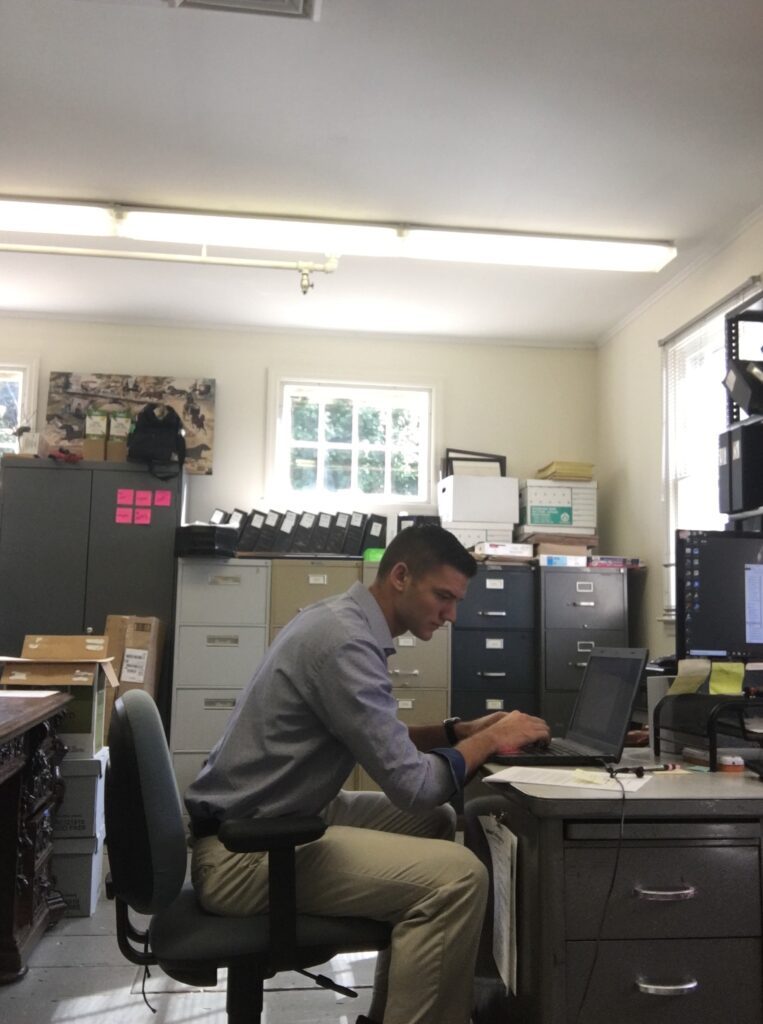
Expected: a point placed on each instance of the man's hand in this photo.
(510, 730)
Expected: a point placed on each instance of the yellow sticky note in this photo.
(692, 673)
(726, 677)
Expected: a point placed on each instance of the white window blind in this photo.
(694, 414)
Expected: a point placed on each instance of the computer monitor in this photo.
(719, 595)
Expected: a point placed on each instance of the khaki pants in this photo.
(376, 861)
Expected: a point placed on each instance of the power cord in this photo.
(613, 773)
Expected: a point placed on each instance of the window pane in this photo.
(338, 472)
(10, 394)
(303, 469)
(371, 426)
(371, 472)
(405, 474)
(339, 420)
(304, 420)
(405, 427)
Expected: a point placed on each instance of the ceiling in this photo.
(621, 118)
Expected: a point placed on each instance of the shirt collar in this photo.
(370, 608)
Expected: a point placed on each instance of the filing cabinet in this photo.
(579, 609)
(493, 643)
(299, 582)
(220, 637)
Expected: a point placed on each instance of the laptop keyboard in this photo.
(556, 748)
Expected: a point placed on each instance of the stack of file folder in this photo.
(566, 471)
(301, 533)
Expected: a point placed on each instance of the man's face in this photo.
(429, 601)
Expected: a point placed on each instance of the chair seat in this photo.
(186, 934)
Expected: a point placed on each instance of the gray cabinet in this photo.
(80, 542)
(578, 609)
(493, 643)
(221, 636)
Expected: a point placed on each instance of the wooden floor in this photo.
(77, 974)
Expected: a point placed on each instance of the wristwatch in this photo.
(449, 725)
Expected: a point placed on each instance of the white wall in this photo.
(533, 405)
(629, 397)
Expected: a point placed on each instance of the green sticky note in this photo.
(726, 677)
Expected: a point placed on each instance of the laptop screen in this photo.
(603, 709)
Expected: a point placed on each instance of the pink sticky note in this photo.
(143, 498)
(125, 496)
(123, 515)
(163, 498)
(142, 517)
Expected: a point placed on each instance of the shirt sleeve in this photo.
(456, 764)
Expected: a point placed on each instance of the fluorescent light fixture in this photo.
(334, 239)
(56, 218)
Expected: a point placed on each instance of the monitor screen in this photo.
(719, 595)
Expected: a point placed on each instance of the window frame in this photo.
(277, 485)
(29, 368)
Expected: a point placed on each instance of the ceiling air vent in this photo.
(308, 9)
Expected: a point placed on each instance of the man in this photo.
(320, 701)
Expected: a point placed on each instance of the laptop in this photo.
(601, 716)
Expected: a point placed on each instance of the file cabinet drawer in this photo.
(299, 583)
(223, 593)
(663, 892)
(469, 704)
(483, 658)
(200, 717)
(591, 599)
(218, 655)
(421, 663)
(567, 652)
(499, 599)
(421, 707)
(720, 980)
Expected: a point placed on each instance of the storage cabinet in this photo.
(80, 542)
(220, 638)
(30, 791)
(493, 643)
(578, 609)
(297, 583)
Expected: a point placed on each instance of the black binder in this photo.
(337, 534)
(267, 538)
(285, 532)
(321, 532)
(375, 533)
(302, 539)
(353, 542)
(251, 531)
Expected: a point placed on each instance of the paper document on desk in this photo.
(503, 853)
(573, 778)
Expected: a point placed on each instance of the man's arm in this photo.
(482, 737)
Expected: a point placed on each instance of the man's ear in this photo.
(399, 576)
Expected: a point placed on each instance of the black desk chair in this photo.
(148, 855)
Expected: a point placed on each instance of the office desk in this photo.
(685, 910)
(30, 790)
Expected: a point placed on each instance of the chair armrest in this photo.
(249, 835)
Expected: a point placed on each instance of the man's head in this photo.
(422, 576)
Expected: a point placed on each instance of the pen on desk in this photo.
(662, 768)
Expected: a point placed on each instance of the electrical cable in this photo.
(621, 834)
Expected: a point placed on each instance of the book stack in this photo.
(559, 470)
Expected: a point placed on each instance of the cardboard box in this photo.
(77, 870)
(576, 561)
(96, 432)
(136, 644)
(505, 549)
(68, 663)
(574, 547)
(116, 450)
(492, 499)
(555, 504)
(82, 810)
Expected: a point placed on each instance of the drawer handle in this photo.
(585, 646)
(219, 703)
(680, 989)
(493, 614)
(666, 895)
(576, 664)
(404, 672)
(406, 705)
(224, 581)
(493, 675)
(317, 580)
(583, 604)
(222, 641)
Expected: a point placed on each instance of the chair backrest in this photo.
(145, 836)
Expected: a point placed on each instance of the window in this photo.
(369, 445)
(694, 414)
(18, 383)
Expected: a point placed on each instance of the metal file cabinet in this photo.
(579, 609)
(493, 643)
(299, 582)
(220, 638)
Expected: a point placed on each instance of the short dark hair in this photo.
(425, 548)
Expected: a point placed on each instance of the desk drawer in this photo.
(727, 973)
(199, 718)
(663, 892)
(218, 655)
